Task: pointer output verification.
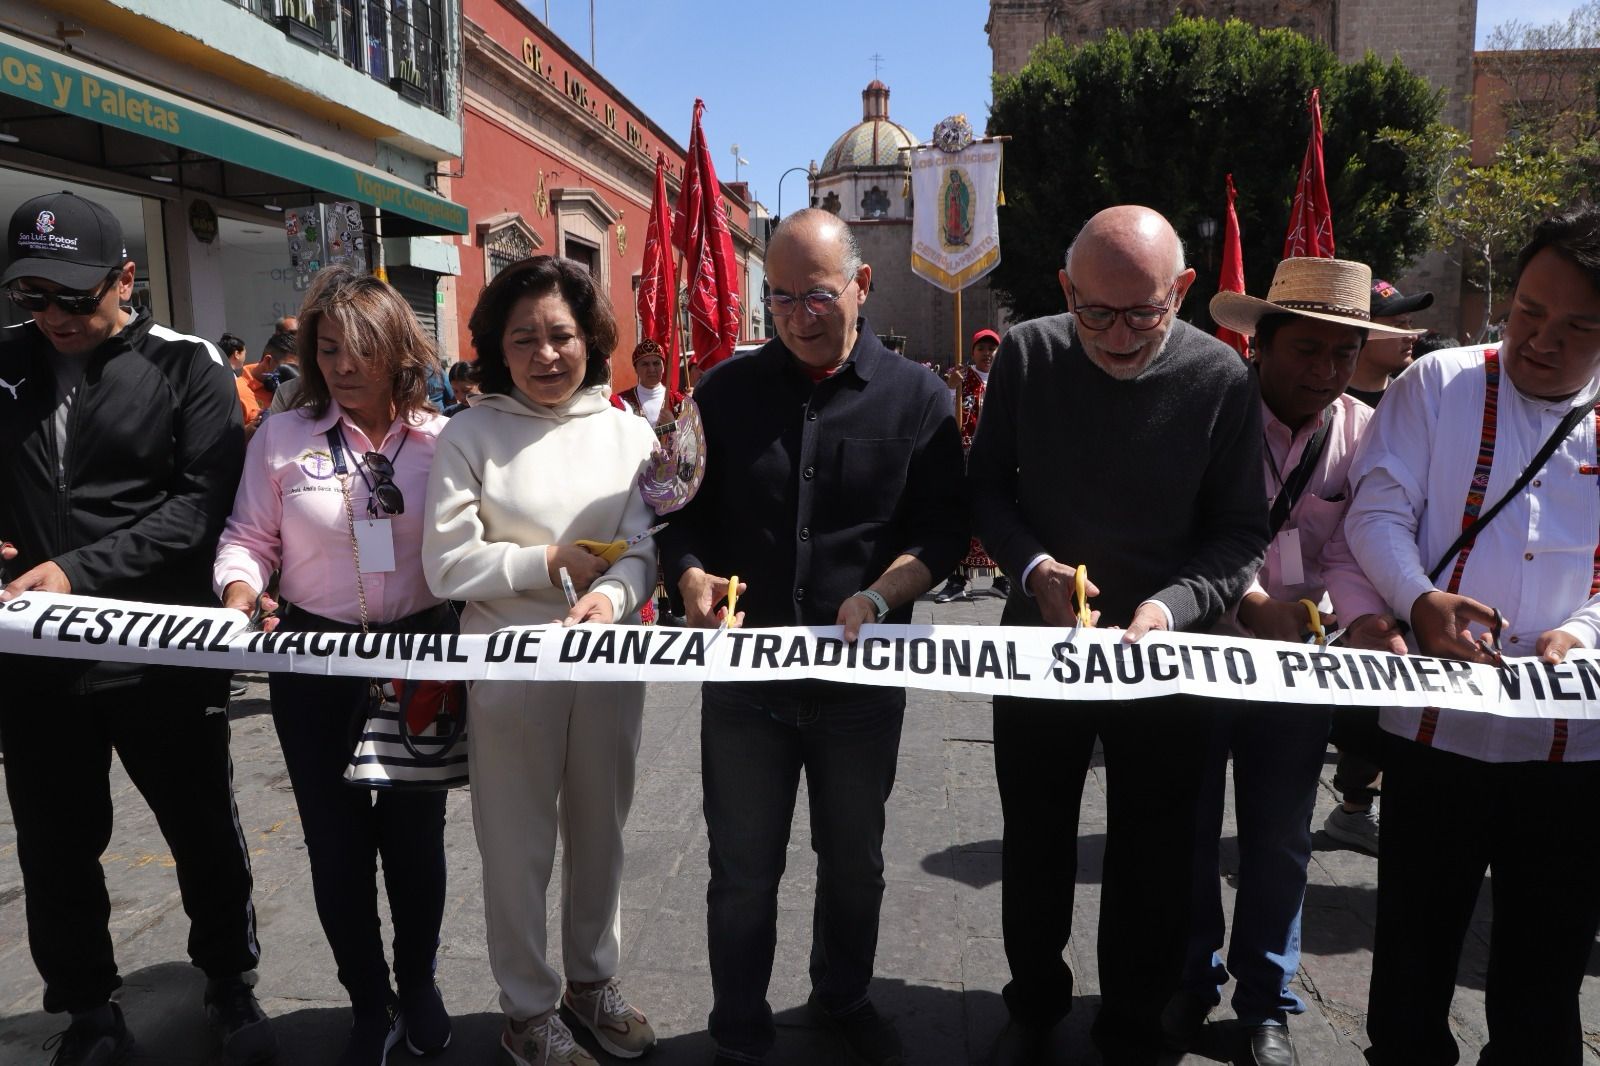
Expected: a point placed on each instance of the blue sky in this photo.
(783, 80)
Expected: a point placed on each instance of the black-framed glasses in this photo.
(1140, 319)
(817, 303)
(72, 302)
(384, 490)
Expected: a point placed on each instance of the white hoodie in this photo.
(511, 477)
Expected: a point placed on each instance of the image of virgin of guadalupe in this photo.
(957, 210)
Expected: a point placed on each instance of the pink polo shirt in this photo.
(1318, 515)
(289, 515)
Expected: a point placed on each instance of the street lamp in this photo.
(1207, 228)
(785, 174)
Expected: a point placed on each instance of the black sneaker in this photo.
(241, 1024)
(870, 1036)
(427, 1023)
(1001, 587)
(954, 589)
(92, 1042)
(372, 1034)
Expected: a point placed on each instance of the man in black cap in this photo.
(122, 449)
(1384, 356)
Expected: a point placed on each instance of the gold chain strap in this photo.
(355, 546)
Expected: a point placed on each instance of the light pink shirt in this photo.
(1317, 516)
(289, 515)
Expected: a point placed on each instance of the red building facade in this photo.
(557, 162)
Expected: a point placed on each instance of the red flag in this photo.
(1310, 218)
(658, 283)
(1232, 277)
(702, 235)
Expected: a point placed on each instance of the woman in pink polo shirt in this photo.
(332, 497)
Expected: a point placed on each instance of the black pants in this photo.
(1532, 826)
(1155, 756)
(1358, 737)
(754, 742)
(348, 828)
(58, 761)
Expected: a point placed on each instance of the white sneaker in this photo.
(620, 1029)
(1358, 829)
(542, 1043)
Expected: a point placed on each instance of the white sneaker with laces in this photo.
(620, 1029)
(546, 1042)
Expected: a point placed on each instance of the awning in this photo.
(65, 84)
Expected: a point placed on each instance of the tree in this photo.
(1159, 117)
(1548, 78)
(1487, 212)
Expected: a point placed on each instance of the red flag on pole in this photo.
(1232, 277)
(702, 235)
(1310, 218)
(658, 283)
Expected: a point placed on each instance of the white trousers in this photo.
(552, 758)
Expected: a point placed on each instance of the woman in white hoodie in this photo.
(540, 461)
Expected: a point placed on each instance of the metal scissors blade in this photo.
(1489, 643)
(652, 531)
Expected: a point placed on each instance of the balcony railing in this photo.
(401, 43)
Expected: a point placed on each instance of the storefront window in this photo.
(258, 286)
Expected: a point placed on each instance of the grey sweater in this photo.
(1154, 483)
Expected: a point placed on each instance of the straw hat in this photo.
(1329, 290)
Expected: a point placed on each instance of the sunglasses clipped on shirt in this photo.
(70, 301)
(384, 490)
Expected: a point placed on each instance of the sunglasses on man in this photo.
(72, 301)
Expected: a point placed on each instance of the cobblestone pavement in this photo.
(940, 961)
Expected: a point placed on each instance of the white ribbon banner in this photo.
(1037, 663)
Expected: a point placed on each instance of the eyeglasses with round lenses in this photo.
(73, 303)
(817, 303)
(1139, 319)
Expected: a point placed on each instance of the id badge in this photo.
(375, 540)
(1291, 564)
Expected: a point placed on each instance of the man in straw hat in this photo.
(1118, 438)
(1309, 334)
(1457, 433)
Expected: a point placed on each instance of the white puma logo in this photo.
(12, 389)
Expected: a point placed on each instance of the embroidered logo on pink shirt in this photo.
(316, 464)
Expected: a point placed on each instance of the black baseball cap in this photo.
(64, 238)
(1388, 301)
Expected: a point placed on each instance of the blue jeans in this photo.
(754, 741)
(1277, 758)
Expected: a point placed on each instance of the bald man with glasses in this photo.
(1118, 438)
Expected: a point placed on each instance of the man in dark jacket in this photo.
(829, 495)
(122, 449)
(1118, 438)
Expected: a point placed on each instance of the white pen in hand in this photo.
(566, 587)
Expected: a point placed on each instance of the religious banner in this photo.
(1061, 663)
(955, 184)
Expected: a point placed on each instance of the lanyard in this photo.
(338, 448)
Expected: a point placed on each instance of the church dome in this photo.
(873, 142)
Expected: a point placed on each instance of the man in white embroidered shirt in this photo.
(1467, 792)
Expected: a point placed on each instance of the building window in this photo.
(402, 43)
(585, 255)
(831, 203)
(505, 239)
(583, 230)
(875, 204)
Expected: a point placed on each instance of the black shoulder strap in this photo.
(1300, 476)
(1468, 535)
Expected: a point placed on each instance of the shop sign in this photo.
(202, 221)
(65, 84)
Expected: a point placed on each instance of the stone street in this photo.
(940, 960)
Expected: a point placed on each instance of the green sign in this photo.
(66, 85)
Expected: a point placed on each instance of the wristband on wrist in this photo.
(879, 604)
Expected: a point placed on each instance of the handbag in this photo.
(420, 744)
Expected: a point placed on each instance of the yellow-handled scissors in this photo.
(728, 621)
(613, 551)
(1318, 633)
(1081, 583)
